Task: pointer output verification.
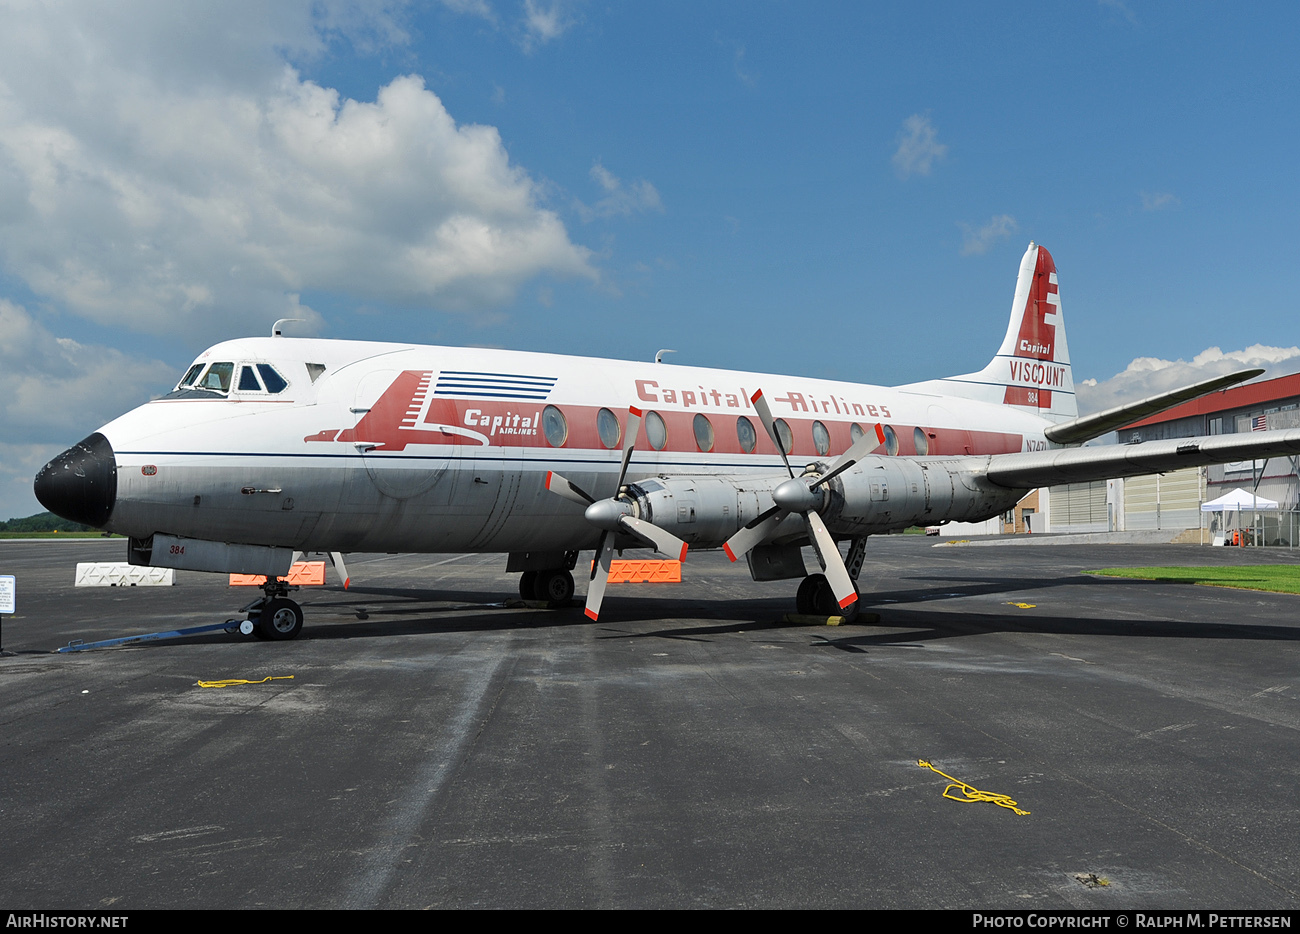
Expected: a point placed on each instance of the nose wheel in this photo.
(279, 620)
(275, 617)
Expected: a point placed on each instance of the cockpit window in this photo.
(274, 381)
(248, 380)
(218, 377)
(314, 370)
(191, 375)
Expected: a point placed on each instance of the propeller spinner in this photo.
(614, 515)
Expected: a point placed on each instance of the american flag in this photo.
(1259, 423)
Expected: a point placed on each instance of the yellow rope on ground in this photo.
(970, 793)
(1023, 606)
(229, 682)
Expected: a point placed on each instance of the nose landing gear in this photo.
(274, 616)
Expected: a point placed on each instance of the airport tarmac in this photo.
(436, 748)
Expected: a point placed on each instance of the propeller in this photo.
(802, 495)
(614, 515)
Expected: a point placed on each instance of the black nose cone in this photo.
(81, 483)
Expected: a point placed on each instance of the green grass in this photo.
(1276, 578)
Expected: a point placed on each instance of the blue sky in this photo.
(827, 189)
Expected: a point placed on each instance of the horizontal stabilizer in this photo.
(1088, 427)
(1030, 469)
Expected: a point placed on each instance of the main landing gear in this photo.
(815, 596)
(553, 587)
(274, 616)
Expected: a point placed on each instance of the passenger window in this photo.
(274, 381)
(608, 428)
(821, 439)
(746, 435)
(218, 377)
(656, 432)
(554, 426)
(703, 433)
(891, 442)
(191, 375)
(921, 441)
(248, 380)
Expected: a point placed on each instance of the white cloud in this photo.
(619, 199)
(1158, 200)
(918, 147)
(170, 173)
(1147, 376)
(543, 22)
(999, 227)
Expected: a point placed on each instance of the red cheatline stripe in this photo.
(592, 613)
(727, 549)
(847, 600)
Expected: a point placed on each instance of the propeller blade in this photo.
(663, 542)
(570, 491)
(753, 534)
(765, 415)
(829, 554)
(860, 449)
(599, 575)
(629, 442)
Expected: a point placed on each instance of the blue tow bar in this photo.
(230, 625)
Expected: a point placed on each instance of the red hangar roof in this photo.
(1239, 397)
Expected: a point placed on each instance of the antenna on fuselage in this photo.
(660, 354)
(277, 331)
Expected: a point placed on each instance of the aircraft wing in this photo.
(1030, 469)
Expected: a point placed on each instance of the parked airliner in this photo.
(268, 446)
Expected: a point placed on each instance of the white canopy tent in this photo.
(1237, 500)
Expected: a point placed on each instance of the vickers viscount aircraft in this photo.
(268, 446)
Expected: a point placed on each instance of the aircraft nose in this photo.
(81, 483)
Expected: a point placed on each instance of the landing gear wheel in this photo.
(815, 598)
(805, 598)
(528, 585)
(279, 620)
(555, 588)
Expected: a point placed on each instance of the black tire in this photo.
(805, 600)
(555, 588)
(528, 585)
(280, 620)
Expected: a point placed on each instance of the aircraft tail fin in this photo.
(1031, 370)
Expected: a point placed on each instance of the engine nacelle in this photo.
(883, 493)
(878, 494)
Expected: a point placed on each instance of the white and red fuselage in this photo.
(414, 448)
